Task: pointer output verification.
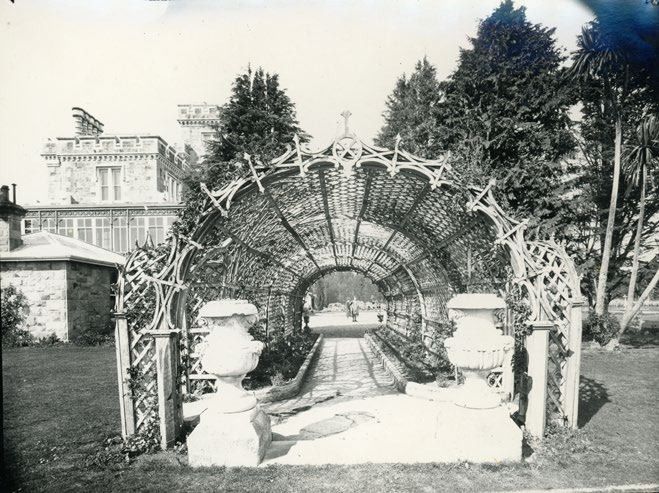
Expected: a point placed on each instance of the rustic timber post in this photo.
(573, 370)
(508, 376)
(537, 346)
(169, 401)
(122, 344)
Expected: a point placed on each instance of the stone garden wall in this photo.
(90, 301)
(65, 298)
(44, 285)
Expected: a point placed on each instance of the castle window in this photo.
(157, 229)
(102, 230)
(66, 227)
(137, 230)
(109, 180)
(172, 189)
(120, 235)
(30, 226)
(85, 230)
(50, 225)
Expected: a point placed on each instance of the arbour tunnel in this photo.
(417, 241)
(410, 225)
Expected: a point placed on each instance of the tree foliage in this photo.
(13, 313)
(505, 113)
(259, 120)
(614, 96)
(341, 286)
(411, 113)
(502, 114)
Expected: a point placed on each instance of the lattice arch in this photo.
(410, 225)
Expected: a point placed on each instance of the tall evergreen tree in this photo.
(258, 120)
(411, 112)
(505, 113)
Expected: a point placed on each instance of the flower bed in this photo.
(401, 370)
(292, 387)
(281, 359)
(422, 356)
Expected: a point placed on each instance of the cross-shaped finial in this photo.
(346, 116)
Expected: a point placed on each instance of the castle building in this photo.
(198, 122)
(111, 189)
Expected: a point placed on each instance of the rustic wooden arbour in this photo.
(408, 224)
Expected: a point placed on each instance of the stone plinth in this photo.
(233, 431)
(231, 439)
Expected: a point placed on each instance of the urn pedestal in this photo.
(234, 430)
(476, 347)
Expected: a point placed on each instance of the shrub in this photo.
(281, 358)
(14, 310)
(94, 337)
(600, 329)
(424, 350)
(51, 340)
(147, 439)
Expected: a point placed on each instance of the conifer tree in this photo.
(258, 120)
(411, 112)
(505, 113)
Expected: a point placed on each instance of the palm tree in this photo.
(597, 63)
(642, 158)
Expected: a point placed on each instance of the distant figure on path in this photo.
(354, 310)
(348, 309)
(380, 313)
(306, 310)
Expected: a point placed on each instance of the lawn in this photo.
(60, 404)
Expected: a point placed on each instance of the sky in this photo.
(130, 62)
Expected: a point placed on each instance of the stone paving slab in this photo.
(349, 412)
(401, 429)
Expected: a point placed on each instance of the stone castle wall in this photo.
(65, 298)
(145, 164)
(197, 122)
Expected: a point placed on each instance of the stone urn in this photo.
(477, 346)
(229, 352)
(234, 430)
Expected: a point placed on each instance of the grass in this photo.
(61, 403)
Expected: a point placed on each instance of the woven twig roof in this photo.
(411, 225)
(376, 211)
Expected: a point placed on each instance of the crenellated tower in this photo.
(198, 123)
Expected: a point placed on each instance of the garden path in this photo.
(349, 412)
(345, 369)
